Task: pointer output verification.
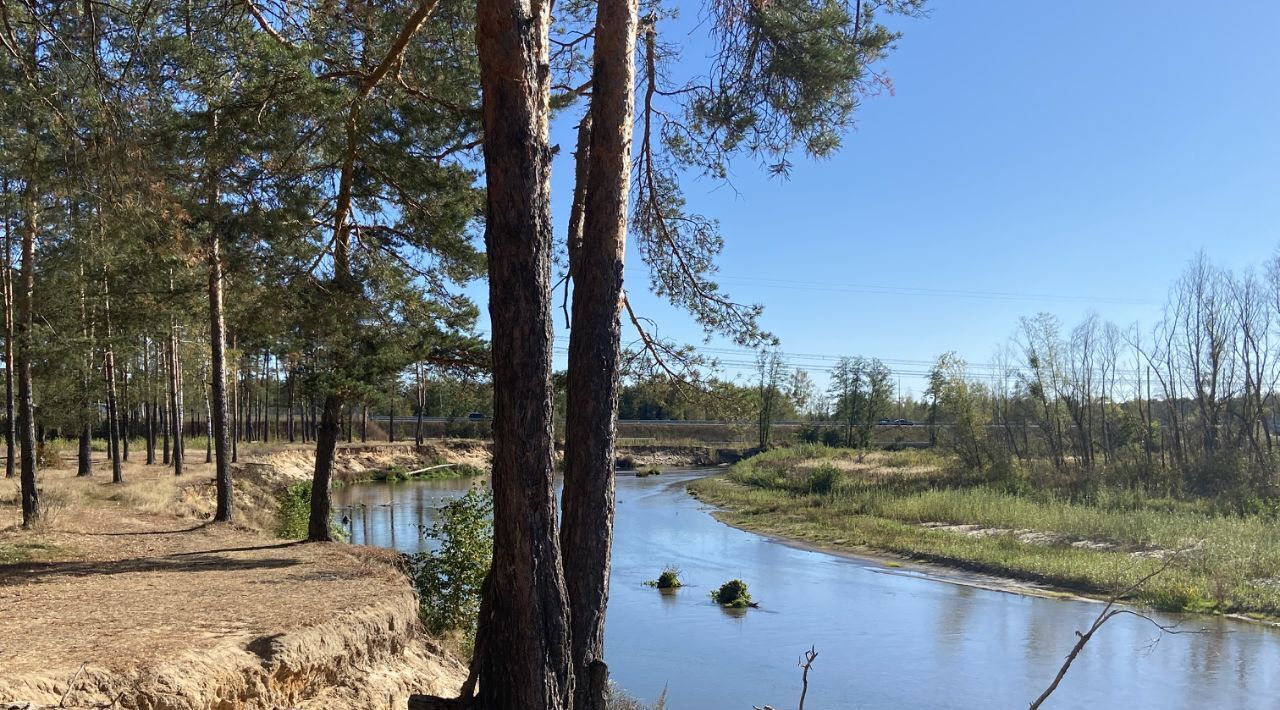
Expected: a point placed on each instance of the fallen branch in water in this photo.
(805, 663)
(1108, 613)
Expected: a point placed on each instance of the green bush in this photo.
(1176, 597)
(449, 579)
(832, 437)
(823, 479)
(294, 511)
(669, 579)
(293, 514)
(732, 594)
(466, 470)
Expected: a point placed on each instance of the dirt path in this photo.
(150, 609)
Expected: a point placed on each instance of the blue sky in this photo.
(1034, 157)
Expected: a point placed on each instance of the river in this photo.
(885, 638)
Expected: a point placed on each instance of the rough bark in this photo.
(84, 454)
(175, 401)
(10, 426)
(109, 377)
(148, 403)
(596, 264)
(318, 526)
(218, 381)
(26, 405)
(525, 628)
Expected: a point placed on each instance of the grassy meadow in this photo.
(916, 504)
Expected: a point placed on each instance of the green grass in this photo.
(400, 473)
(15, 553)
(1227, 563)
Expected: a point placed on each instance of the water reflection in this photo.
(885, 639)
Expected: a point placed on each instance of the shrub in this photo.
(466, 470)
(832, 437)
(732, 594)
(449, 579)
(1176, 597)
(669, 579)
(625, 463)
(49, 454)
(397, 473)
(823, 479)
(294, 511)
(293, 515)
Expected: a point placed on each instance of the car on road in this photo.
(904, 422)
(475, 416)
(883, 422)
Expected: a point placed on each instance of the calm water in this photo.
(884, 639)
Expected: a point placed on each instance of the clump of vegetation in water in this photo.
(397, 473)
(449, 579)
(669, 579)
(648, 471)
(466, 470)
(733, 594)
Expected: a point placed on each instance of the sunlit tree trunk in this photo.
(525, 661)
(175, 401)
(218, 374)
(596, 264)
(26, 405)
(10, 426)
(113, 410)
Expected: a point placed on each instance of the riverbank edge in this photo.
(929, 566)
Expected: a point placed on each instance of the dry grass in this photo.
(908, 505)
(126, 577)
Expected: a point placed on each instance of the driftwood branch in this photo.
(1108, 613)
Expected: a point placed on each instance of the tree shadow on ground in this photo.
(199, 561)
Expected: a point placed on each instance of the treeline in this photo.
(1187, 405)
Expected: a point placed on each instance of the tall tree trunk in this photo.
(417, 426)
(113, 409)
(208, 418)
(10, 426)
(234, 423)
(264, 402)
(175, 401)
(26, 405)
(364, 423)
(524, 632)
(218, 379)
(126, 411)
(596, 264)
(84, 456)
(148, 404)
(318, 524)
(288, 416)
